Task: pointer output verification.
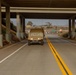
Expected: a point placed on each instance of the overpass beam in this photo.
(18, 26)
(8, 35)
(1, 37)
(69, 28)
(73, 28)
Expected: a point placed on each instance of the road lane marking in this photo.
(70, 41)
(65, 70)
(12, 53)
(58, 62)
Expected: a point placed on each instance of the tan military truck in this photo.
(36, 35)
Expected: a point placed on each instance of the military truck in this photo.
(36, 35)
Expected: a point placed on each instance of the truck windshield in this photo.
(36, 34)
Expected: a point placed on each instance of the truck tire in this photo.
(28, 42)
(42, 43)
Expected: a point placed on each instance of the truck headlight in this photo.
(38, 38)
(31, 38)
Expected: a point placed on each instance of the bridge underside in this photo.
(42, 15)
(42, 3)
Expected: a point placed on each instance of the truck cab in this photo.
(36, 35)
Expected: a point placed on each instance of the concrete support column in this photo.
(18, 26)
(73, 28)
(8, 35)
(22, 35)
(22, 27)
(69, 28)
(1, 38)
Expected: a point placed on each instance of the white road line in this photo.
(69, 41)
(12, 53)
(72, 43)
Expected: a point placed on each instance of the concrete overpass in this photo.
(41, 13)
(50, 9)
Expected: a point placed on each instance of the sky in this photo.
(43, 21)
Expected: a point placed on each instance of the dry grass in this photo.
(5, 42)
(15, 39)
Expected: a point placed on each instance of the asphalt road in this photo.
(67, 51)
(21, 59)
